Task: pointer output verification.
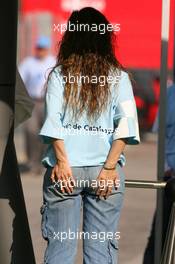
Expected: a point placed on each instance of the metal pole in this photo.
(15, 246)
(162, 126)
(167, 256)
(145, 184)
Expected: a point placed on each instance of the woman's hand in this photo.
(106, 180)
(62, 174)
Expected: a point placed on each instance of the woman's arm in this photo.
(126, 131)
(52, 131)
(108, 175)
(60, 151)
(116, 149)
(62, 172)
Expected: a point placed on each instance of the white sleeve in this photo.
(125, 116)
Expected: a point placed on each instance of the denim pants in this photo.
(61, 219)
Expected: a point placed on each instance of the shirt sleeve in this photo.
(125, 112)
(53, 126)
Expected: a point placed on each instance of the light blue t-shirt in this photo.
(88, 144)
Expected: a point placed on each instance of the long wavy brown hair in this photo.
(87, 53)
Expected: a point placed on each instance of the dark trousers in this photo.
(149, 251)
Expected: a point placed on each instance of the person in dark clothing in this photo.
(169, 172)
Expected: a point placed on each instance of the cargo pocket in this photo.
(113, 251)
(43, 211)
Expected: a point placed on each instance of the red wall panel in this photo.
(140, 35)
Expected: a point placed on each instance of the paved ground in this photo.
(136, 215)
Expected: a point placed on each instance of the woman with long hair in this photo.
(90, 117)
